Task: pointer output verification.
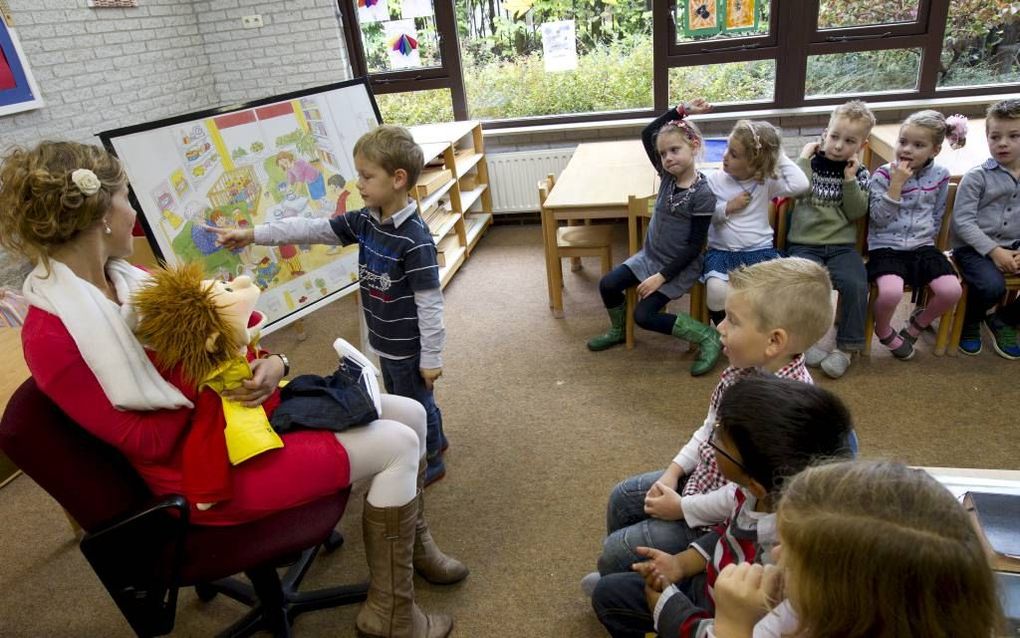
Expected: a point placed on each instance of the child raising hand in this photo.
(670, 262)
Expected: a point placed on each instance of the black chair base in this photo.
(276, 602)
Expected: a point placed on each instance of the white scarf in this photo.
(103, 332)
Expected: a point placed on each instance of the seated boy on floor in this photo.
(768, 430)
(823, 225)
(775, 311)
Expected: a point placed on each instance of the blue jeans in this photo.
(628, 527)
(619, 602)
(647, 313)
(985, 286)
(403, 377)
(850, 279)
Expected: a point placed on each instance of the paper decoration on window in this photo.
(701, 18)
(416, 9)
(741, 15)
(517, 8)
(559, 46)
(401, 40)
(108, 4)
(373, 11)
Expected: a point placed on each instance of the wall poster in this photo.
(285, 156)
(18, 90)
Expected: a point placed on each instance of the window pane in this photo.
(721, 83)
(709, 19)
(523, 58)
(416, 107)
(982, 43)
(863, 72)
(394, 41)
(840, 13)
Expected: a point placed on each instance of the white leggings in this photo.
(388, 450)
(715, 293)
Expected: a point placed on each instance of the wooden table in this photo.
(882, 148)
(596, 184)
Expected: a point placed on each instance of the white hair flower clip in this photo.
(956, 129)
(86, 181)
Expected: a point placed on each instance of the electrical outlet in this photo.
(252, 22)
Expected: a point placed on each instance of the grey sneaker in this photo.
(589, 582)
(814, 356)
(835, 364)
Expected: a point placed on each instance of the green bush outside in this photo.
(615, 72)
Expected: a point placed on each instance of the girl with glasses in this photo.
(768, 429)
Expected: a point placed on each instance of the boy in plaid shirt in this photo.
(779, 308)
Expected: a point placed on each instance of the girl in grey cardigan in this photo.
(907, 203)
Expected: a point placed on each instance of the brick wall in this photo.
(300, 45)
(102, 68)
(99, 69)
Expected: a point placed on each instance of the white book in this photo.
(369, 373)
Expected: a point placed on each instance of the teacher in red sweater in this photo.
(65, 207)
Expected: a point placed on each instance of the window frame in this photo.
(789, 45)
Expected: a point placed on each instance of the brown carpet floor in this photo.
(540, 430)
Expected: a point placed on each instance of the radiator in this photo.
(514, 177)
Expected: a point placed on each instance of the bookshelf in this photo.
(453, 193)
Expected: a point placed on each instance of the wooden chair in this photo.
(639, 210)
(947, 321)
(571, 242)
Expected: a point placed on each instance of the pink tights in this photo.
(945, 292)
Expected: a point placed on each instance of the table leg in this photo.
(553, 267)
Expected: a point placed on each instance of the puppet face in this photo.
(235, 300)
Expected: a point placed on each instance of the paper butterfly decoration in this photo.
(365, 4)
(405, 44)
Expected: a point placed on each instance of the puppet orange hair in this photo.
(177, 314)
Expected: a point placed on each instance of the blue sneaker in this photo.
(1004, 343)
(970, 339)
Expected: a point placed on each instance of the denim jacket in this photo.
(913, 221)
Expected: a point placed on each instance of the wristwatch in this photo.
(286, 362)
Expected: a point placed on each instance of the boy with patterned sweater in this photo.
(823, 229)
(397, 269)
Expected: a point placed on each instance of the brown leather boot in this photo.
(390, 610)
(429, 561)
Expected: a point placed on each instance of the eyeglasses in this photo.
(712, 442)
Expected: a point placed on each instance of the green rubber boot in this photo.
(617, 332)
(707, 339)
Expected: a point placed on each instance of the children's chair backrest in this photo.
(862, 234)
(640, 209)
(942, 241)
(779, 218)
(544, 187)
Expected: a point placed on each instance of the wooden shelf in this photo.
(465, 161)
(434, 197)
(476, 224)
(468, 198)
(443, 225)
(459, 148)
(454, 259)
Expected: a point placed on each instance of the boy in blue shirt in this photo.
(400, 289)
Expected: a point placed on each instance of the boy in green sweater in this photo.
(822, 225)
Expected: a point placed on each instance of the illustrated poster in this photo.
(269, 161)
